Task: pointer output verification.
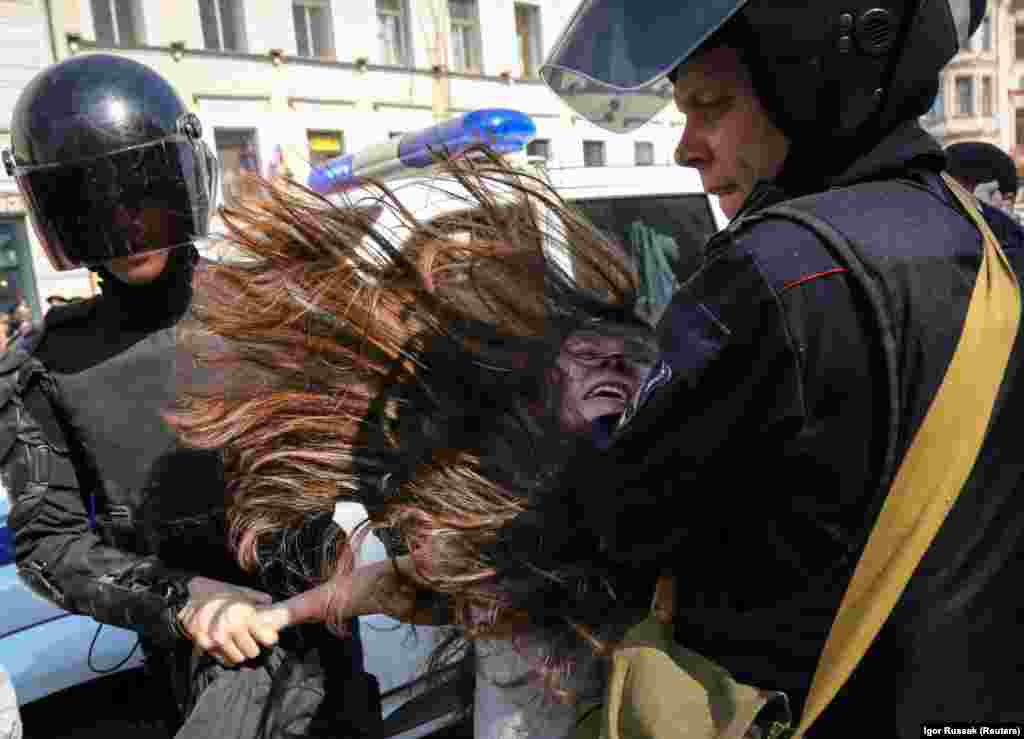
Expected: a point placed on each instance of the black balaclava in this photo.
(83, 335)
(157, 304)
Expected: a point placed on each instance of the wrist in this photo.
(177, 602)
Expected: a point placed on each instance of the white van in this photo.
(659, 214)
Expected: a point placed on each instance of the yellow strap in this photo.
(932, 474)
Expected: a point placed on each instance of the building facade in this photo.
(981, 91)
(26, 38)
(283, 85)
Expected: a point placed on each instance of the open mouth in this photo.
(610, 390)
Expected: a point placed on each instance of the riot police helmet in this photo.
(110, 161)
(820, 69)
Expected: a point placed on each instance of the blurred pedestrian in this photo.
(23, 320)
(989, 173)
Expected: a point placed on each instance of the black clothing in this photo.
(92, 395)
(112, 518)
(980, 161)
(794, 380)
(1004, 228)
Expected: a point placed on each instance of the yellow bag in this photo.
(660, 690)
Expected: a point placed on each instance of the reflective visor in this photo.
(137, 200)
(611, 62)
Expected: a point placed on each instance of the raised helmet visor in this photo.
(612, 61)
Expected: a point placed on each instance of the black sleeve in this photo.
(728, 396)
(294, 560)
(58, 552)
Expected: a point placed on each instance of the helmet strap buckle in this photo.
(189, 125)
(9, 164)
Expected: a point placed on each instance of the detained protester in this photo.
(593, 377)
(111, 517)
(989, 173)
(438, 370)
(801, 359)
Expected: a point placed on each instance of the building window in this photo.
(938, 112)
(964, 96)
(223, 29)
(985, 33)
(593, 153)
(117, 22)
(324, 146)
(393, 33)
(528, 43)
(986, 95)
(1019, 121)
(539, 148)
(1019, 41)
(465, 37)
(313, 28)
(643, 153)
(17, 278)
(239, 158)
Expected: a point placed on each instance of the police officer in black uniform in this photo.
(977, 165)
(111, 517)
(795, 374)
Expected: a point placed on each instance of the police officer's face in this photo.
(144, 225)
(140, 269)
(728, 138)
(596, 379)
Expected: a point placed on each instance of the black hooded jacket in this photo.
(111, 517)
(762, 450)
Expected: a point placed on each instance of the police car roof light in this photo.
(504, 130)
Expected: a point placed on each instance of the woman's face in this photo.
(597, 379)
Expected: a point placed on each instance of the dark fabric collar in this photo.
(156, 305)
(907, 146)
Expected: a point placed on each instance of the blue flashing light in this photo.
(503, 130)
(332, 176)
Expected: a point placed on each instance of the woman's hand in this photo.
(219, 619)
(375, 588)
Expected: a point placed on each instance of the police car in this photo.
(71, 669)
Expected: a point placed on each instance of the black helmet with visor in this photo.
(821, 68)
(110, 161)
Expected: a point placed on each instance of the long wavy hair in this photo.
(359, 350)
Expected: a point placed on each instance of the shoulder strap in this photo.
(932, 474)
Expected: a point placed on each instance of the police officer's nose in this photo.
(688, 150)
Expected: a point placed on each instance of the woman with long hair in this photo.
(418, 365)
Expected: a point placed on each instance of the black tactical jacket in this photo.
(111, 517)
(794, 380)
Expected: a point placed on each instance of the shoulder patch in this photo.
(789, 254)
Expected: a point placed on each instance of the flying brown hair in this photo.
(361, 351)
